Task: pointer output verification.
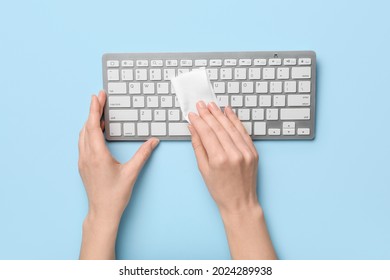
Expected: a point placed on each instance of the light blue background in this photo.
(323, 199)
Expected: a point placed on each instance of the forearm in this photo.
(99, 237)
(247, 234)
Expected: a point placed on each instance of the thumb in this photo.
(135, 164)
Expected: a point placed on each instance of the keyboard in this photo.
(272, 93)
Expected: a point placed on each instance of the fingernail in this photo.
(155, 142)
(213, 106)
(201, 104)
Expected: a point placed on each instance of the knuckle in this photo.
(237, 159)
(220, 160)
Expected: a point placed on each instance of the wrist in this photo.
(241, 215)
(99, 223)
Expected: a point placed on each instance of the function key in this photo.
(290, 61)
(230, 62)
(142, 63)
(215, 62)
(245, 62)
(260, 61)
(156, 63)
(186, 62)
(201, 62)
(304, 61)
(171, 63)
(275, 61)
(127, 63)
(112, 63)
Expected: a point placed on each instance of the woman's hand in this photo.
(108, 183)
(228, 161)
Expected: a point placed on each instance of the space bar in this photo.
(178, 129)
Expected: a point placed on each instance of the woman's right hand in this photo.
(226, 157)
(228, 161)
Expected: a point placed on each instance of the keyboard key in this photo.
(233, 87)
(245, 62)
(260, 62)
(141, 74)
(254, 73)
(219, 87)
(159, 115)
(115, 129)
(166, 101)
(113, 75)
(272, 114)
(259, 128)
(295, 114)
(143, 129)
(171, 63)
(301, 72)
(213, 73)
(265, 101)
(261, 87)
(127, 74)
(304, 86)
(186, 62)
(178, 129)
(169, 73)
(148, 88)
(158, 129)
(134, 88)
(112, 63)
(289, 125)
(118, 101)
(215, 62)
(223, 100)
(298, 100)
(236, 101)
(240, 73)
(127, 63)
(138, 101)
(156, 63)
(182, 71)
(230, 62)
(162, 88)
(155, 74)
(248, 127)
(283, 73)
(123, 115)
(116, 88)
(243, 114)
(142, 63)
(258, 114)
(251, 101)
(275, 61)
(279, 100)
(275, 87)
(268, 73)
(226, 73)
(303, 131)
(304, 61)
(273, 131)
(200, 62)
(290, 86)
(145, 115)
(174, 115)
(152, 101)
(128, 129)
(247, 87)
(290, 61)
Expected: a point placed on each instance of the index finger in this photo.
(209, 140)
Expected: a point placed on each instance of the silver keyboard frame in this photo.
(220, 55)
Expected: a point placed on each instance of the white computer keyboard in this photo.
(273, 93)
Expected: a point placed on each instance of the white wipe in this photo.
(192, 87)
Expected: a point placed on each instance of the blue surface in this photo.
(324, 199)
